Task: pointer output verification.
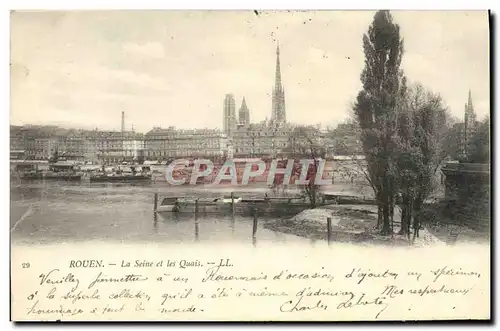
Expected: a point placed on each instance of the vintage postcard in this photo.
(250, 165)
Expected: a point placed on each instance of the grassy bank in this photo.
(354, 224)
(349, 223)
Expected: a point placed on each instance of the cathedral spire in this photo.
(469, 124)
(277, 79)
(469, 109)
(244, 114)
(469, 103)
(278, 116)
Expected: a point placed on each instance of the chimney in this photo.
(123, 121)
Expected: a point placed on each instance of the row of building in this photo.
(257, 140)
(238, 138)
(42, 143)
(45, 142)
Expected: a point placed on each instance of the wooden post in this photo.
(329, 229)
(232, 224)
(232, 203)
(155, 206)
(196, 223)
(254, 230)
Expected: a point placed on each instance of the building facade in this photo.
(108, 146)
(260, 139)
(164, 144)
(17, 143)
(133, 145)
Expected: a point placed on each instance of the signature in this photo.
(362, 301)
(291, 306)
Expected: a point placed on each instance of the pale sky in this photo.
(173, 68)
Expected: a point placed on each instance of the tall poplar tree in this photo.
(376, 109)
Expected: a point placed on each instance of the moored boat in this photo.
(63, 171)
(122, 174)
(26, 171)
(246, 206)
(63, 176)
(119, 178)
(171, 204)
(30, 175)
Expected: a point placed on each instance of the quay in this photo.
(76, 172)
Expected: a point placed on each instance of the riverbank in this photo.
(350, 223)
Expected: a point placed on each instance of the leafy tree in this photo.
(346, 138)
(422, 128)
(305, 142)
(452, 146)
(376, 109)
(480, 143)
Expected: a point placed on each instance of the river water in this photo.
(52, 212)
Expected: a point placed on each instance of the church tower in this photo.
(244, 114)
(278, 116)
(469, 125)
(229, 115)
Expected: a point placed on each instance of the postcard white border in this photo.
(187, 4)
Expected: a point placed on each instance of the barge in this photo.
(106, 178)
(57, 171)
(122, 175)
(237, 205)
(191, 205)
(62, 171)
(63, 177)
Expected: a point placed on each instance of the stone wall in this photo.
(467, 193)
